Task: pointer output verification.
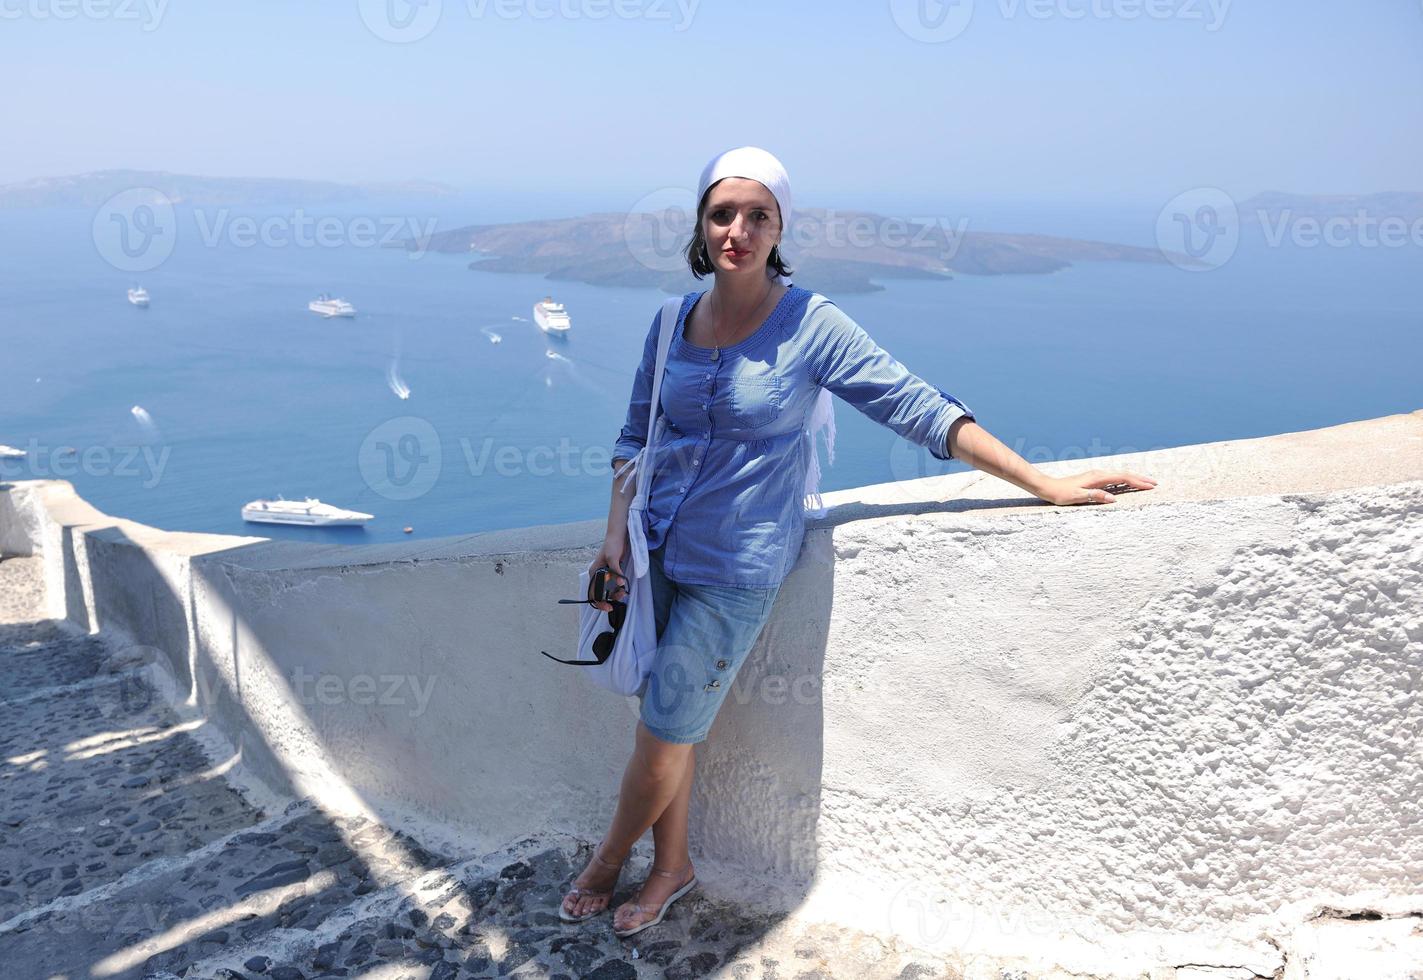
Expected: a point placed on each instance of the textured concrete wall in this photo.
(18, 533)
(1135, 733)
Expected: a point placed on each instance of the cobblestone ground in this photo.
(125, 852)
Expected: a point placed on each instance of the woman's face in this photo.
(741, 223)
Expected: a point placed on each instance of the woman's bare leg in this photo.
(669, 835)
(652, 780)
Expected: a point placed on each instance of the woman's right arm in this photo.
(630, 440)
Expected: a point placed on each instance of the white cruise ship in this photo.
(138, 297)
(551, 317)
(10, 452)
(329, 306)
(310, 512)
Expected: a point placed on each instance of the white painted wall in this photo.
(1128, 734)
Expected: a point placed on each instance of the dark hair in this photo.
(700, 260)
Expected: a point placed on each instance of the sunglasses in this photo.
(603, 584)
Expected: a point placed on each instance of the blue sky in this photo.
(1031, 99)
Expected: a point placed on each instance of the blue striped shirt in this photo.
(727, 482)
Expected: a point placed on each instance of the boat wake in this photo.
(396, 383)
(146, 423)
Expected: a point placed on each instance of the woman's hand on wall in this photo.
(1091, 487)
(976, 446)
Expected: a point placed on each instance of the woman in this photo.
(748, 364)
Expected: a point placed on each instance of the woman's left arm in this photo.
(977, 447)
(847, 361)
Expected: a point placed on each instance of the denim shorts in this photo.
(704, 634)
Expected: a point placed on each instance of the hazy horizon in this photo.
(1023, 100)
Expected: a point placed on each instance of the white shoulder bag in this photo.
(635, 642)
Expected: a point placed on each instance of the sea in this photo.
(226, 388)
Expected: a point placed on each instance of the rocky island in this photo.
(851, 248)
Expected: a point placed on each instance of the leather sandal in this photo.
(662, 909)
(578, 893)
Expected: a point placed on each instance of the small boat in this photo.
(138, 297)
(329, 306)
(551, 317)
(10, 452)
(310, 512)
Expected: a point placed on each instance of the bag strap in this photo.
(670, 310)
(666, 327)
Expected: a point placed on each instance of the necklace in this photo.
(716, 345)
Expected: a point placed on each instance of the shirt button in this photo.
(704, 404)
(714, 684)
(721, 665)
(681, 489)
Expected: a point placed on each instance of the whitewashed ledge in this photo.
(1175, 736)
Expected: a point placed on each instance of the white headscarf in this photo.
(753, 163)
(757, 164)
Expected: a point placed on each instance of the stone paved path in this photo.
(126, 853)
